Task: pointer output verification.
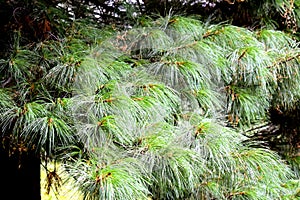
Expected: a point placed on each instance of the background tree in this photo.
(161, 109)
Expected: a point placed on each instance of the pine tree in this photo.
(161, 110)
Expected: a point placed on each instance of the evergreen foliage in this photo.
(159, 110)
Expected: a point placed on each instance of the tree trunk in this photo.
(20, 174)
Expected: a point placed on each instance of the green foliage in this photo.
(190, 156)
(155, 111)
(115, 177)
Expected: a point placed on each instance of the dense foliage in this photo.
(163, 108)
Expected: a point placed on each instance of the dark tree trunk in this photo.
(20, 174)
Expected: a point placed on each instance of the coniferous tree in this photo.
(158, 110)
